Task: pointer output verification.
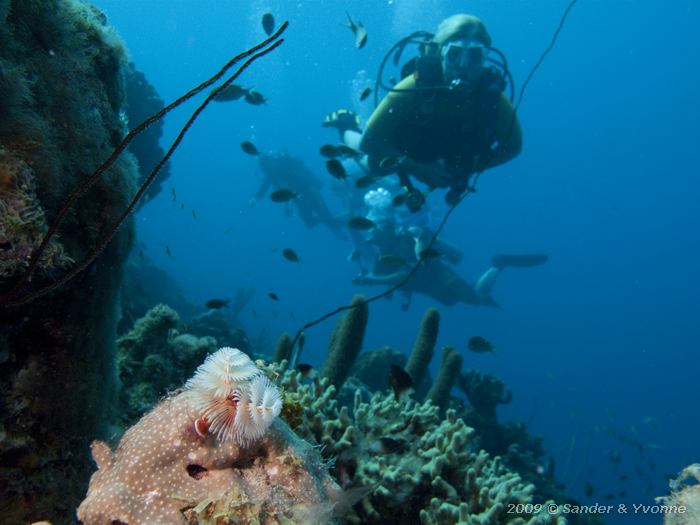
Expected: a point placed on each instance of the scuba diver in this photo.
(447, 119)
(282, 170)
(400, 240)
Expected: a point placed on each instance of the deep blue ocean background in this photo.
(594, 343)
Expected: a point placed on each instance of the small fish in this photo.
(182, 207)
(365, 181)
(268, 23)
(336, 169)
(249, 148)
(194, 214)
(255, 98)
(399, 200)
(172, 191)
(365, 93)
(359, 31)
(329, 151)
(167, 251)
(387, 445)
(307, 371)
(400, 381)
(227, 231)
(282, 195)
(346, 151)
(232, 92)
(273, 296)
(480, 345)
(290, 255)
(361, 223)
(215, 304)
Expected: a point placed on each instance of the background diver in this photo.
(401, 239)
(282, 170)
(447, 119)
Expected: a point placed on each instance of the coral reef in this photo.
(153, 358)
(61, 95)
(23, 220)
(169, 468)
(346, 342)
(372, 367)
(283, 348)
(423, 469)
(450, 368)
(683, 505)
(422, 353)
(145, 286)
(213, 323)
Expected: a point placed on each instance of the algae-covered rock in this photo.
(61, 97)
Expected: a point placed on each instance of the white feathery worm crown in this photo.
(234, 397)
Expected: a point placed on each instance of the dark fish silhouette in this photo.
(361, 223)
(365, 181)
(215, 304)
(232, 92)
(290, 255)
(268, 23)
(282, 195)
(336, 169)
(365, 93)
(249, 148)
(273, 296)
(387, 445)
(359, 31)
(167, 250)
(329, 151)
(307, 371)
(480, 345)
(255, 98)
(399, 199)
(400, 381)
(347, 151)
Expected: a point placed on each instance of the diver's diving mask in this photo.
(463, 59)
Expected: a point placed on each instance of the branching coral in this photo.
(424, 469)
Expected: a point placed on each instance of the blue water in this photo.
(601, 337)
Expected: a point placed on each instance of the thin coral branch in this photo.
(10, 298)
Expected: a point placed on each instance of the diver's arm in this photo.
(508, 134)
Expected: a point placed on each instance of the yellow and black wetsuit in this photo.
(452, 125)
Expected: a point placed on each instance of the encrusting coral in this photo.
(212, 453)
(682, 507)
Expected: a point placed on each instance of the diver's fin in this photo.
(502, 260)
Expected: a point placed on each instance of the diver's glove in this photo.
(342, 120)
